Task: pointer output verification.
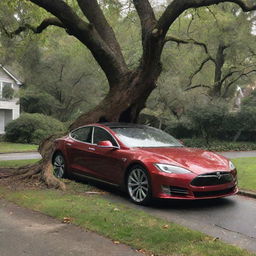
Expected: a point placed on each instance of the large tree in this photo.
(128, 88)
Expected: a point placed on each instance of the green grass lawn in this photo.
(120, 223)
(246, 172)
(8, 147)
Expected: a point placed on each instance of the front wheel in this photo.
(138, 185)
(59, 166)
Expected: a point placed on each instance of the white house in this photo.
(9, 107)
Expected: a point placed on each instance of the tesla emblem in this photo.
(218, 175)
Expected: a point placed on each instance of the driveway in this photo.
(27, 233)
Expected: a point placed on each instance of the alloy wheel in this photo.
(59, 166)
(138, 185)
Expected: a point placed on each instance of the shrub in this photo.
(37, 102)
(208, 118)
(239, 125)
(217, 145)
(32, 128)
(182, 128)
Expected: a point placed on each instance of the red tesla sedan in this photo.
(146, 162)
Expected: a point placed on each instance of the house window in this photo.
(7, 84)
(7, 90)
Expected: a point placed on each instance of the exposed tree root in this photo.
(42, 170)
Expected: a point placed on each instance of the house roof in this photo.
(11, 75)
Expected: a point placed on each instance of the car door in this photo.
(106, 162)
(80, 150)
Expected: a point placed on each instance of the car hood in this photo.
(196, 160)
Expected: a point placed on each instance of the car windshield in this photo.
(145, 137)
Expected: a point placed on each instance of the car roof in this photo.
(122, 125)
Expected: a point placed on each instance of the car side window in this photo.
(101, 135)
(83, 134)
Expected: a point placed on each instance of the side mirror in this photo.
(105, 144)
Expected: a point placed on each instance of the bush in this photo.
(216, 145)
(182, 128)
(37, 102)
(239, 126)
(32, 128)
(208, 118)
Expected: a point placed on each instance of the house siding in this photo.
(4, 76)
(9, 109)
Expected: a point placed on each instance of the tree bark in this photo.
(124, 102)
(219, 62)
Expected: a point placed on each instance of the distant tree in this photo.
(227, 56)
(129, 87)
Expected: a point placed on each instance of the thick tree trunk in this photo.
(123, 103)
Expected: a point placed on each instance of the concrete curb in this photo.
(247, 193)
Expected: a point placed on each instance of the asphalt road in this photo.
(27, 233)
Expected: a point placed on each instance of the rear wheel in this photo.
(59, 166)
(138, 185)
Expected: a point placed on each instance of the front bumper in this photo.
(176, 186)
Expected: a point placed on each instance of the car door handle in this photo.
(69, 144)
(92, 149)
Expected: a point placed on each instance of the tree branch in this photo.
(151, 50)
(186, 41)
(198, 70)
(94, 14)
(146, 15)
(227, 76)
(177, 7)
(61, 72)
(236, 79)
(88, 35)
(77, 81)
(197, 86)
(52, 21)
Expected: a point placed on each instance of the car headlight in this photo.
(171, 168)
(231, 166)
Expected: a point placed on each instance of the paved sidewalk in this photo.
(20, 156)
(238, 154)
(27, 233)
